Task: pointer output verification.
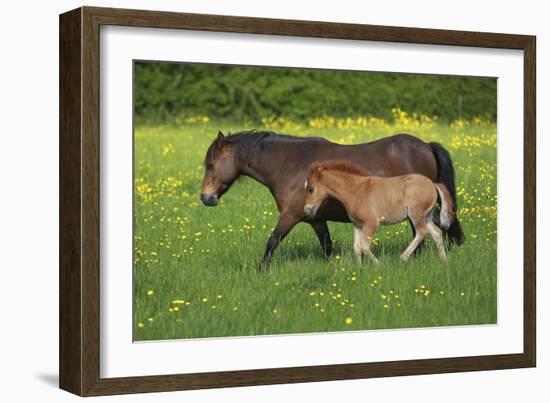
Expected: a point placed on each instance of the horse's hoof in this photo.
(263, 266)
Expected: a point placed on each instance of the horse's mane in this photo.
(247, 143)
(336, 165)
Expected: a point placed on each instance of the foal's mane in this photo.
(248, 144)
(343, 166)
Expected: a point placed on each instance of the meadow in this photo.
(195, 272)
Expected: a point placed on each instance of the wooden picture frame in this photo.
(79, 346)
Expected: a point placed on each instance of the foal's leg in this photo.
(358, 243)
(284, 225)
(418, 250)
(421, 232)
(368, 233)
(437, 235)
(321, 229)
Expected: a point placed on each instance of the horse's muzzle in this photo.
(309, 210)
(209, 199)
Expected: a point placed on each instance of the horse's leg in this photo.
(358, 243)
(421, 232)
(437, 235)
(454, 233)
(321, 229)
(284, 225)
(368, 233)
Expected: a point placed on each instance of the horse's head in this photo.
(316, 192)
(220, 170)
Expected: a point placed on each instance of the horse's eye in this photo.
(309, 189)
(209, 165)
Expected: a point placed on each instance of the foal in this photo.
(371, 201)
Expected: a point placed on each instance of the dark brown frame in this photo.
(79, 201)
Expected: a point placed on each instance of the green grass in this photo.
(195, 267)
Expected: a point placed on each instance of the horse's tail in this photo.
(446, 175)
(446, 216)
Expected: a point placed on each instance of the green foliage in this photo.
(165, 91)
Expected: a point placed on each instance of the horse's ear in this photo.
(220, 139)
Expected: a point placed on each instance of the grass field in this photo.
(195, 267)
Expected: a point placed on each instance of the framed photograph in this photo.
(248, 201)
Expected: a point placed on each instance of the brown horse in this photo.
(371, 201)
(280, 162)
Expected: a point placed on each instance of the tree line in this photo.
(166, 91)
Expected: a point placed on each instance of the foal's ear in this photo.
(317, 172)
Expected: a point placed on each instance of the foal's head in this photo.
(318, 180)
(220, 170)
(316, 192)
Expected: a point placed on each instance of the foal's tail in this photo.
(446, 216)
